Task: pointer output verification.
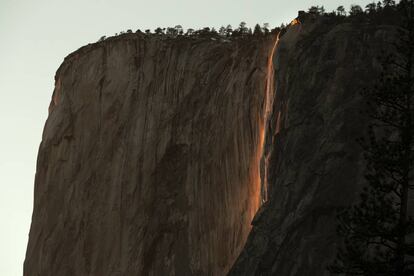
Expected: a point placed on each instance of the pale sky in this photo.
(35, 37)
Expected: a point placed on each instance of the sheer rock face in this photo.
(312, 160)
(148, 161)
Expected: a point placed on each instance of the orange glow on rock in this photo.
(295, 22)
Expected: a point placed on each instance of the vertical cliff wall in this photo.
(149, 158)
(312, 162)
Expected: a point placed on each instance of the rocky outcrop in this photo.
(149, 158)
(312, 161)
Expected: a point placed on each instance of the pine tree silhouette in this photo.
(378, 232)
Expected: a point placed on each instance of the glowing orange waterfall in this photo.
(269, 96)
(262, 179)
(259, 186)
(269, 77)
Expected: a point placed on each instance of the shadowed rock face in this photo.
(312, 161)
(149, 158)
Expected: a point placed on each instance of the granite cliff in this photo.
(149, 158)
(157, 153)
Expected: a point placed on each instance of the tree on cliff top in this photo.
(257, 30)
(159, 31)
(229, 30)
(266, 27)
(388, 3)
(242, 30)
(319, 10)
(379, 231)
(371, 8)
(355, 10)
(341, 11)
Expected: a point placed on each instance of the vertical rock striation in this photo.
(148, 161)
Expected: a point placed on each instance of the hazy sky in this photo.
(35, 37)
